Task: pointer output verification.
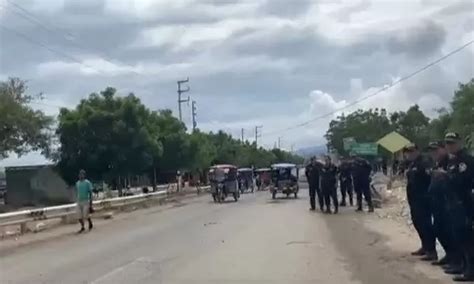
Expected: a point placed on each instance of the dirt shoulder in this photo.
(378, 246)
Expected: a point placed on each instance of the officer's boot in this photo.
(443, 261)
(430, 256)
(455, 267)
(468, 273)
(418, 252)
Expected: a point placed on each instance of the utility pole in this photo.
(258, 134)
(242, 135)
(180, 101)
(279, 142)
(193, 105)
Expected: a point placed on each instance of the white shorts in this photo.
(82, 209)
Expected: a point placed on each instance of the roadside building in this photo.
(36, 186)
(3, 184)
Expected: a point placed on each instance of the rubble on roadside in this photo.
(391, 192)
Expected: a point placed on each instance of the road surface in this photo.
(257, 240)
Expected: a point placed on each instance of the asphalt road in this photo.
(256, 240)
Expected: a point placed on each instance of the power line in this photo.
(63, 54)
(25, 14)
(391, 85)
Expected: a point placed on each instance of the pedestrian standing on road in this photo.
(361, 170)
(84, 200)
(313, 176)
(440, 193)
(345, 182)
(329, 185)
(460, 171)
(418, 182)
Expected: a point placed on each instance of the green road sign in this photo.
(348, 142)
(367, 149)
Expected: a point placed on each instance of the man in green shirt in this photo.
(84, 199)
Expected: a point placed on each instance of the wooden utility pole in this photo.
(180, 101)
(194, 114)
(258, 134)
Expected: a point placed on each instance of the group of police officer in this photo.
(439, 194)
(353, 174)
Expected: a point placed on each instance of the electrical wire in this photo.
(43, 45)
(25, 14)
(391, 85)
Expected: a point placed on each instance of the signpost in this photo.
(366, 149)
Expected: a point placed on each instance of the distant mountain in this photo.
(312, 151)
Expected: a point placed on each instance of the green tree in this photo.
(413, 124)
(440, 125)
(462, 105)
(108, 136)
(201, 152)
(22, 129)
(175, 143)
(364, 126)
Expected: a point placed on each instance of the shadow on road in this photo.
(280, 199)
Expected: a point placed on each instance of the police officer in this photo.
(418, 182)
(312, 176)
(361, 170)
(439, 194)
(345, 181)
(460, 171)
(329, 185)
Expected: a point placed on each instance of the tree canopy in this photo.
(371, 125)
(22, 129)
(110, 136)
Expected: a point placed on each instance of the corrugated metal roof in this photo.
(393, 142)
(32, 167)
(283, 165)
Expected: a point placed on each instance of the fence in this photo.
(64, 211)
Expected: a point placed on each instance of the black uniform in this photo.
(418, 182)
(460, 171)
(361, 170)
(329, 187)
(345, 181)
(312, 175)
(439, 194)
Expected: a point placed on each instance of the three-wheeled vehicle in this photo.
(245, 178)
(223, 180)
(263, 178)
(285, 179)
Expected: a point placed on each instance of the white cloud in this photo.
(183, 36)
(374, 17)
(87, 67)
(282, 65)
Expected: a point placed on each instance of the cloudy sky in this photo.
(275, 63)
